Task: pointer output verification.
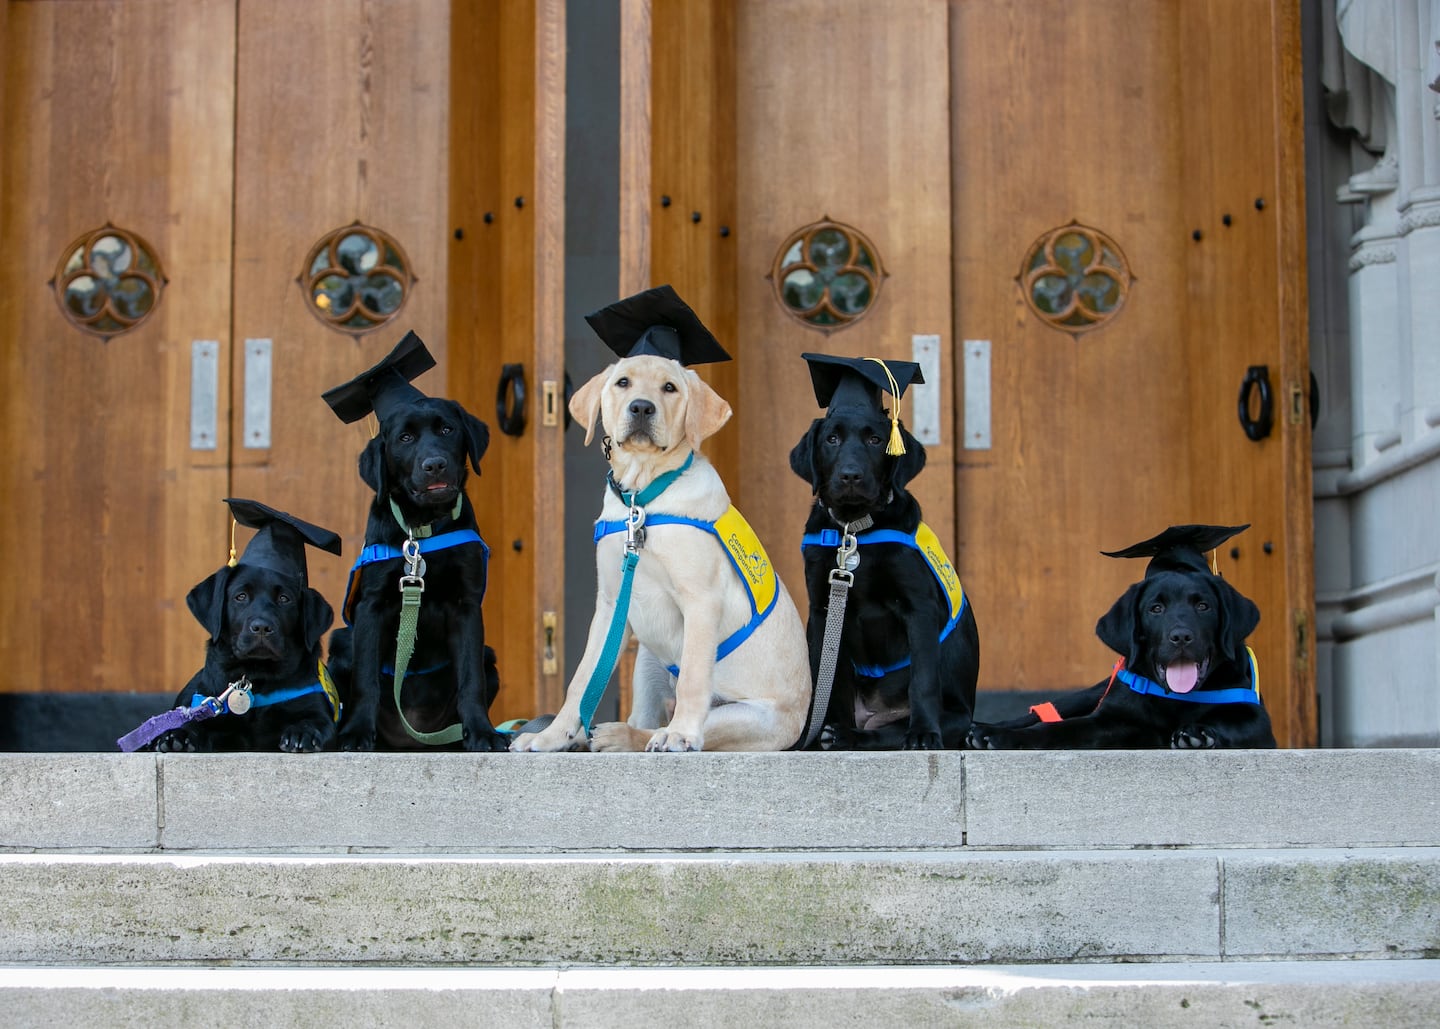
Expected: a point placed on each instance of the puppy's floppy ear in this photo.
(909, 464)
(477, 436)
(206, 602)
(1238, 618)
(318, 615)
(585, 403)
(1116, 628)
(372, 465)
(705, 411)
(802, 457)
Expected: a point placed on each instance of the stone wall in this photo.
(1373, 179)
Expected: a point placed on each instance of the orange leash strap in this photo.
(1046, 712)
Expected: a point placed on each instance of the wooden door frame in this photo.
(506, 293)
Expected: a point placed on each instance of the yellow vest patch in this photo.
(939, 563)
(749, 557)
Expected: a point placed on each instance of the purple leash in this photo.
(153, 728)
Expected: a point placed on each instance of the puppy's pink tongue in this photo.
(1181, 678)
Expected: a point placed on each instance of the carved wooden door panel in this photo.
(115, 242)
(308, 182)
(1128, 243)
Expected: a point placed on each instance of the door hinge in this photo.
(1302, 638)
(549, 663)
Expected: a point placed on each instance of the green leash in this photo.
(634, 543)
(412, 588)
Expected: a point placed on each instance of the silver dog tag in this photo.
(852, 561)
(238, 702)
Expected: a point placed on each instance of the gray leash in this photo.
(842, 577)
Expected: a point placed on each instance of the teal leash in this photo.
(634, 543)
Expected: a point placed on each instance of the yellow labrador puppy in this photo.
(743, 667)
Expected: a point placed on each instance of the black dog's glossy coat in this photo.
(1168, 616)
(895, 609)
(265, 626)
(419, 460)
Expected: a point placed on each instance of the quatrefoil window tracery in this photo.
(827, 275)
(1075, 278)
(108, 281)
(356, 279)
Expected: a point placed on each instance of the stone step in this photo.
(768, 908)
(1395, 994)
(555, 803)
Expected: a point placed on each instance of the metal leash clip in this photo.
(414, 577)
(635, 530)
(848, 554)
(236, 698)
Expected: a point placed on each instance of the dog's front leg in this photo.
(357, 731)
(695, 689)
(466, 631)
(925, 703)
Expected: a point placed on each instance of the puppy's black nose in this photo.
(435, 465)
(849, 476)
(261, 628)
(642, 409)
(1181, 637)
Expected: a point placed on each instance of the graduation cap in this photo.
(385, 387)
(862, 382)
(656, 322)
(280, 539)
(1180, 548)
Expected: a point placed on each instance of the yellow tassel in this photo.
(896, 446)
(233, 559)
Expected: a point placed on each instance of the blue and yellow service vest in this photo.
(747, 557)
(928, 544)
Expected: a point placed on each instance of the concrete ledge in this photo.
(1397, 994)
(904, 908)
(911, 908)
(1247, 798)
(562, 802)
(78, 802)
(555, 803)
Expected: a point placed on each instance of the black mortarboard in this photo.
(280, 539)
(656, 322)
(1180, 547)
(862, 382)
(384, 387)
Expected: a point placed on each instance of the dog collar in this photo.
(1232, 695)
(422, 531)
(639, 498)
(860, 524)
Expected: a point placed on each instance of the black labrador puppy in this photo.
(417, 467)
(909, 652)
(265, 625)
(1187, 679)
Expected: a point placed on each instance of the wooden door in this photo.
(957, 136)
(115, 114)
(234, 141)
(1172, 130)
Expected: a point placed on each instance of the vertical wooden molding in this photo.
(635, 164)
(549, 316)
(1302, 715)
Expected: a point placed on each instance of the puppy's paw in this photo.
(358, 740)
(671, 741)
(304, 739)
(176, 741)
(985, 737)
(484, 741)
(550, 740)
(1194, 737)
(618, 738)
(923, 740)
